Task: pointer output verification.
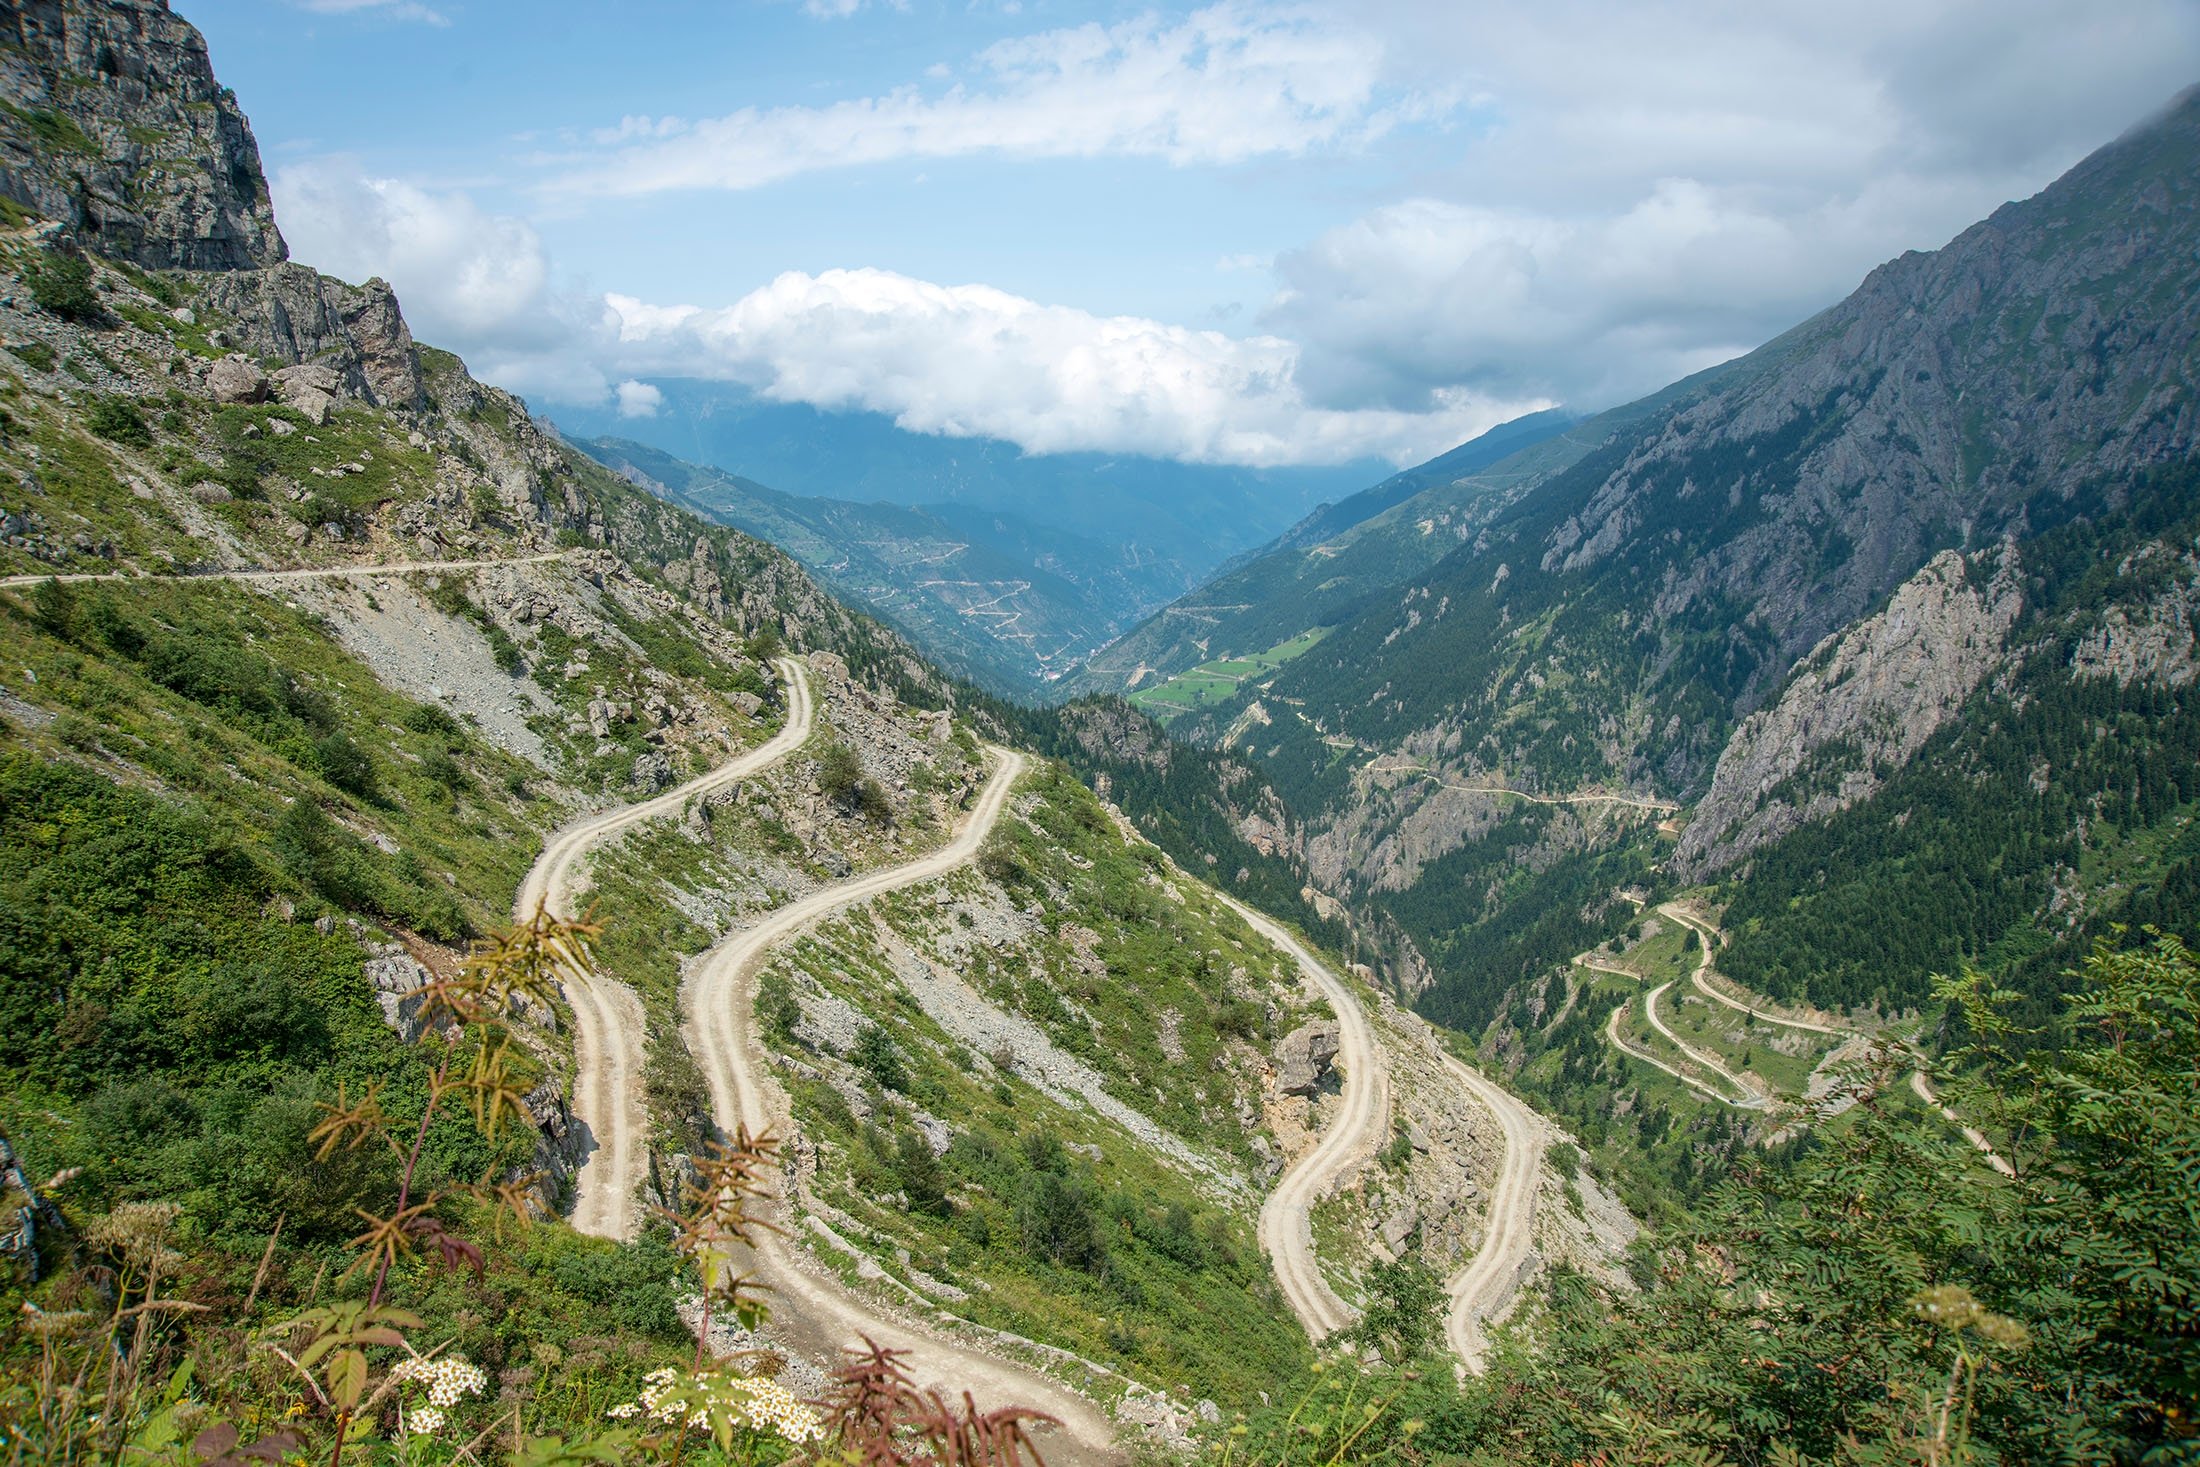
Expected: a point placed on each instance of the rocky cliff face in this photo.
(115, 126)
(116, 131)
(1860, 705)
(2155, 640)
(2041, 349)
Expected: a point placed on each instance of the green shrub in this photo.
(339, 760)
(429, 719)
(61, 282)
(117, 419)
(877, 1057)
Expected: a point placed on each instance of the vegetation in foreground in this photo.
(1885, 1300)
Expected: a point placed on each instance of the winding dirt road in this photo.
(308, 573)
(1632, 802)
(1711, 938)
(817, 1311)
(1632, 1051)
(1919, 1085)
(1286, 1228)
(1350, 1142)
(609, 1031)
(1487, 1283)
(1750, 1098)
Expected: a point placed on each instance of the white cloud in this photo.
(1641, 193)
(970, 360)
(964, 360)
(638, 399)
(476, 282)
(1587, 309)
(1225, 84)
(842, 9)
(630, 129)
(1649, 190)
(392, 9)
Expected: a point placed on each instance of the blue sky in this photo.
(1237, 232)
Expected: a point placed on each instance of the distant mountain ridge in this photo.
(990, 594)
(1616, 600)
(1146, 529)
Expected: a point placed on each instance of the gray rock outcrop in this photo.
(118, 130)
(1304, 1057)
(1859, 706)
(354, 335)
(2154, 641)
(236, 379)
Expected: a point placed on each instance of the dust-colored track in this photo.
(608, 1025)
(1632, 802)
(818, 1311)
(1487, 1282)
(1750, 1099)
(1712, 938)
(1350, 1141)
(1618, 1042)
(1352, 1137)
(306, 573)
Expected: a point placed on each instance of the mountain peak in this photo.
(115, 127)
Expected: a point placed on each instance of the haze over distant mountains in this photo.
(1014, 567)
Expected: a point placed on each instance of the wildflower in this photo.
(707, 1401)
(447, 1379)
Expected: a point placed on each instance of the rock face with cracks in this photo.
(1303, 1057)
(120, 132)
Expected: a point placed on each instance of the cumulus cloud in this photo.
(1586, 309)
(637, 399)
(969, 360)
(961, 360)
(477, 282)
(1649, 190)
(1624, 195)
(1221, 85)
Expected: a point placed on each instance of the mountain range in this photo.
(457, 891)
(1759, 593)
(1013, 567)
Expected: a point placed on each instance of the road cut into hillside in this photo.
(811, 1309)
(1712, 938)
(1489, 1280)
(303, 573)
(609, 1032)
(1349, 1142)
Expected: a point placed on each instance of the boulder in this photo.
(1304, 1056)
(292, 382)
(236, 378)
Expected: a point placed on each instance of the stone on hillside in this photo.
(310, 388)
(236, 379)
(306, 377)
(1303, 1058)
(652, 772)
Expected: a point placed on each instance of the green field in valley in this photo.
(1211, 682)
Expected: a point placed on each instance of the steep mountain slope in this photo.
(314, 643)
(1321, 570)
(983, 591)
(1607, 629)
